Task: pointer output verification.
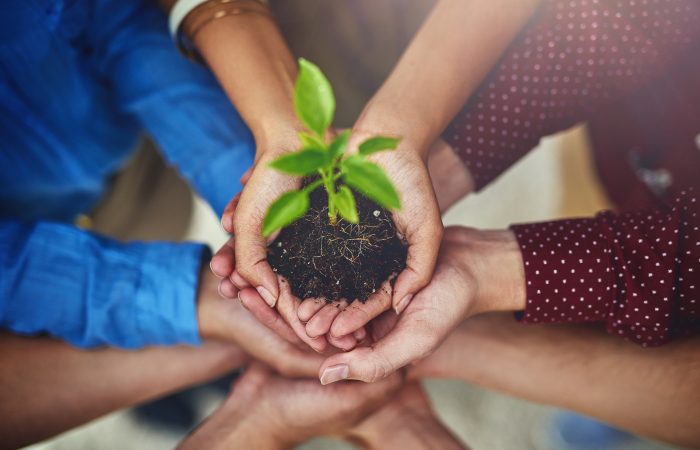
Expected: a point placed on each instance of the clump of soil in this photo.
(341, 261)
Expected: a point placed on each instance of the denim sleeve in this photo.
(92, 291)
(179, 103)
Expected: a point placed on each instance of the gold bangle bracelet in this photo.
(232, 10)
(211, 11)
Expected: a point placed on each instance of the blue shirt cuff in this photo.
(92, 291)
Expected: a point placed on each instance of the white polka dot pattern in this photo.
(637, 272)
(573, 58)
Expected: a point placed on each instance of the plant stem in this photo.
(329, 184)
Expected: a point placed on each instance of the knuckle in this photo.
(381, 368)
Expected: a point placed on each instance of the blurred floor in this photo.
(555, 180)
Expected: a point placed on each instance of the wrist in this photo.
(393, 118)
(497, 265)
(276, 137)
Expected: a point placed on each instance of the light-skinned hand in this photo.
(269, 412)
(477, 271)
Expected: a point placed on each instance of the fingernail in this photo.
(221, 291)
(267, 296)
(335, 373)
(241, 301)
(403, 304)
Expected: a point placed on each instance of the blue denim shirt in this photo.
(80, 80)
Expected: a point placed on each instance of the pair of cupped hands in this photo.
(397, 325)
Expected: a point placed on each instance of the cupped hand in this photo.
(223, 265)
(477, 271)
(418, 222)
(451, 181)
(255, 327)
(261, 189)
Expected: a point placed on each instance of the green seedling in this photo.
(314, 105)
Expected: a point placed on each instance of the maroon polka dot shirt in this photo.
(631, 69)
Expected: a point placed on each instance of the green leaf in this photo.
(339, 144)
(378, 144)
(303, 162)
(311, 141)
(370, 180)
(285, 210)
(345, 202)
(313, 98)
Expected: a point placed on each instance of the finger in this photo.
(400, 347)
(227, 216)
(359, 314)
(227, 289)
(345, 343)
(239, 281)
(321, 322)
(309, 307)
(269, 317)
(360, 334)
(423, 247)
(287, 306)
(382, 325)
(251, 261)
(224, 261)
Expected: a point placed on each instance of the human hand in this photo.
(266, 411)
(263, 335)
(418, 221)
(451, 181)
(284, 318)
(411, 410)
(477, 271)
(223, 265)
(263, 186)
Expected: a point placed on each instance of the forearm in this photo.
(37, 374)
(451, 180)
(454, 50)
(249, 56)
(651, 392)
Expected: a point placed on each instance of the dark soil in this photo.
(341, 261)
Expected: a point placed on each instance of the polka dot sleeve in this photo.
(572, 58)
(639, 273)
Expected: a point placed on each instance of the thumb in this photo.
(405, 344)
(423, 247)
(252, 265)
